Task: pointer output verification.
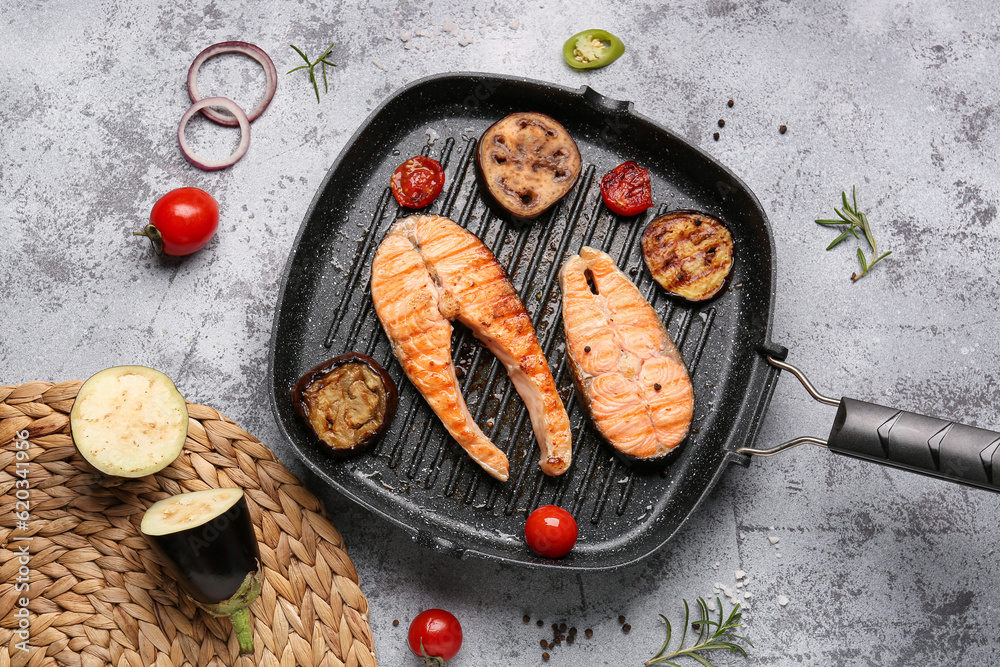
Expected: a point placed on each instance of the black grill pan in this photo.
(417, 476)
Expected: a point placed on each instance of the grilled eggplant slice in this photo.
(129, 421)
(206, 540)
(348, 402)
(528, 162)
(689, 253)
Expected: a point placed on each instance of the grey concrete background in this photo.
(897, 97)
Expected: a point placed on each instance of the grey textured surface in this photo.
(880, 567)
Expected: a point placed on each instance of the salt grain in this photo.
(782, 600)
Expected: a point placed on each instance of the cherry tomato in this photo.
(417, 182)
(435, 635)
(182, 221)
(626, 189)
(550, 531)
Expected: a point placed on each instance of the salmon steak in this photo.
(428, 272)
(630, 377)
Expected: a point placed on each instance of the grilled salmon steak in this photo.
(429, 271)
(629, 374)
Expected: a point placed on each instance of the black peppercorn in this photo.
(729, 104)
(783, 129)
(716, 136)
(722, 123)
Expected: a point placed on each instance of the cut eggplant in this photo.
(206, 540)
(129, 421)
(689, 253)
(528, 162)
(348, 402)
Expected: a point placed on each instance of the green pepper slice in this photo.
(591, 49)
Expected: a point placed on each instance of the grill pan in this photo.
(417, 476)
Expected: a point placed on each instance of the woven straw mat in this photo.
(97, 594)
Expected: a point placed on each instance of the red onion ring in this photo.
(241, 118)
(246, 49)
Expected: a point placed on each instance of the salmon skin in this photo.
(629, 374)
(429, 271)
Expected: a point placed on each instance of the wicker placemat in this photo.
(97, 595)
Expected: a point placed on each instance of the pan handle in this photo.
(893, 437)
(907, 440)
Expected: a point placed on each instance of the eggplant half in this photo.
(129, 421)
(206, 540)
(348, 402)
(689, 253)
(528, 162)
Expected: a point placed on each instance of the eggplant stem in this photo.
(236, 609)
(243, 629)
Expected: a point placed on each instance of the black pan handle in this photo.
(893, 437)
(907, 440)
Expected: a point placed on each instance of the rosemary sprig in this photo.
(311, 65)
(713, 635)
(855, 220)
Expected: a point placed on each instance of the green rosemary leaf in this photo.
(846, 217)
(840, 238)
(861, 258)
(868, 232)
(299, 51)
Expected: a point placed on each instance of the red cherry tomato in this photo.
(550, 531)
(417, 182)
(182, 221)
(626, 189)
(435, 635)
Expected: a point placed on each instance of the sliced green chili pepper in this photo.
(591, 49)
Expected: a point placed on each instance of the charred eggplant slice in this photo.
(348, 402)
(206, 540)
(528, 162)
(689, 253)
(129, 421)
